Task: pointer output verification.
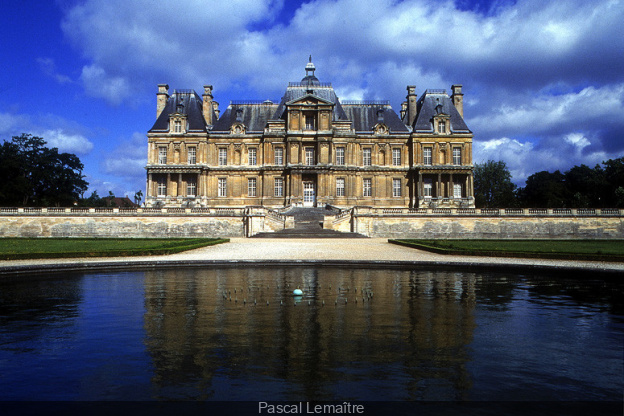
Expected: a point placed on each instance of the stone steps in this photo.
(309, 224)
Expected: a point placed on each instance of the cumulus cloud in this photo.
(67, 137)
(127, 161)
(48, 67)
(67, 142)
(542, 78)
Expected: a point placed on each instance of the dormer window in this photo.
(441, 126)
(177, 124)
(310, 121)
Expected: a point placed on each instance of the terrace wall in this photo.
(372, 222)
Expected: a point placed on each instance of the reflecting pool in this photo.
(354, 334)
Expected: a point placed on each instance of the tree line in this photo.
(38, 176)
(580, 187)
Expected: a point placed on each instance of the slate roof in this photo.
(254, 116)
(433, 102)
(186, 102)
(365, 117)
(298, 90)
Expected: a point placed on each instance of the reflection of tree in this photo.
(495, 291)
(412, 334)
(41, 301)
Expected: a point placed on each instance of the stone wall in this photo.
(138, 225)
(545, 224)
(372, 222)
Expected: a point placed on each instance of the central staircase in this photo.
(309, 224)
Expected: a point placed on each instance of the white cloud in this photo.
(543, 69)
(66, 142)
(48, 66)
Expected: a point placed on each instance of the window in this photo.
(177, 126)
(340, 187)
(457, 156)
(192, 155)
(396, 187)
(428, 189)
(222, 156)
(366, 157)
(310, 121)
(222, 187)
(191, 187)
(279, 155)
(162, 187)
(340, 155)
(253, 160)
(396, 156)
(162, 155)
(441, 126)
(278, 187)
(427, 155)
(251, 187)
(309, 156)
(368, 187)
(457, 190)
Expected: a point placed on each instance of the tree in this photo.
(493, 186)
(34, 174)
(546, 190)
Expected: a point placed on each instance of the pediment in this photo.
(309, 100)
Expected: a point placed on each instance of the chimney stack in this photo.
(207, 105)
(161, 98)
(458, 98)
(411, 105)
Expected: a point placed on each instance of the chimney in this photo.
(207, 105)
(161, 98)
(411, 105)
(458, 98)
(403, 110)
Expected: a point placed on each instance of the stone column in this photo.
(180, 186)
(451, 186)
(439, 186)
(168, 184)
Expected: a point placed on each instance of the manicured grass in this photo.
(600, 250)
(38, 248)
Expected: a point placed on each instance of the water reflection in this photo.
(354, 334)
(403, 336)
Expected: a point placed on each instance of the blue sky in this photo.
(543, 79)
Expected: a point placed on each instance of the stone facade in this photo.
(310, 149)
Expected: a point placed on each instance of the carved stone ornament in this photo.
(381, 129)
(237, 146)
(237, 129)
(382, 146)
(442, 146)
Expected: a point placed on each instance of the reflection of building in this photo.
(413, 334)
(310, 149)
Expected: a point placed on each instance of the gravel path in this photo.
(305, 250)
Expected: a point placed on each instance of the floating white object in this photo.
(297, 292)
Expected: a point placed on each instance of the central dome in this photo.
(310, 79)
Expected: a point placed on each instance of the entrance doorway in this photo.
(309, 194)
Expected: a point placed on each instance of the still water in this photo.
(355, 334)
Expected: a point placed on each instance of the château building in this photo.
(310, 149)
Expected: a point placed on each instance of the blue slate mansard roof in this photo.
(435, 102)
(186, 102)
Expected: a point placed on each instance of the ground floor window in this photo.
(251, 187)
(340, 187)
(428, 189)
(222, 187)
(162, 187)
(191, 187)
(396, 187)
(368, 187)
(278, 187)
(457, 190)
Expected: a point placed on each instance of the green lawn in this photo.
(602, 250)
(37, 248)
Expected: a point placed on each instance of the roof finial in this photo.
(310, 58)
